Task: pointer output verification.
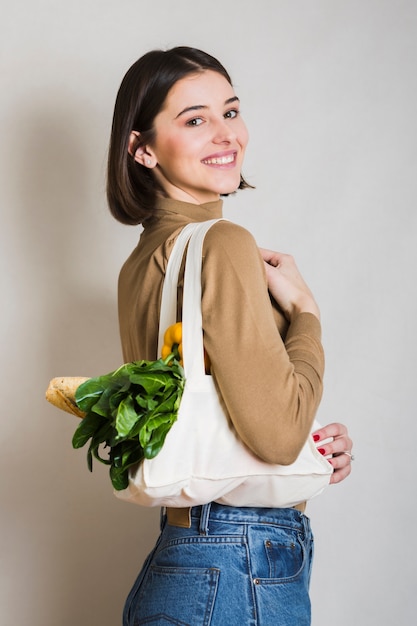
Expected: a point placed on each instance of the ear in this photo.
(141, 154)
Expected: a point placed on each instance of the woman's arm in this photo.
(289, 289)
(271, 385)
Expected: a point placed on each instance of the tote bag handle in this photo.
(193, 350)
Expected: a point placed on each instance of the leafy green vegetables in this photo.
(129, 411)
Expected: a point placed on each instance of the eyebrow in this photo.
(199, 107)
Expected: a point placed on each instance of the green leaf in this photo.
(90, 458)
(133, 435)
(126, 417)
(88, 393)
(96, 453)
(119, 478)
(168, 404)
(157, 441)
(151, 381)
(150, 430)
(145, 402)
(86, 429)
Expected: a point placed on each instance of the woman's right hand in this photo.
(287, 286)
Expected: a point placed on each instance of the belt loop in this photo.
(162, 517)
(204, 518)
(306, 524)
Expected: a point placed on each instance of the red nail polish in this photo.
(316, 437)
(321, 450)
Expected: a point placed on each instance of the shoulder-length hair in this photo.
(131, 188)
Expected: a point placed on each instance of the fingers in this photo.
(331, 430)
(286, 285)
(342, 472)
(336, 446)
(271, 257)
(336, 442)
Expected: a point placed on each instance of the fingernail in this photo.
(321, 450)
(316, 437)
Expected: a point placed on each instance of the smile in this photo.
(224, 160)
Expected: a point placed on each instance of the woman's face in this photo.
(200, 139)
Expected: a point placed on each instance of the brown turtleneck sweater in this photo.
(268, 372)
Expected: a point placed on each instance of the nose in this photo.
(224, 132)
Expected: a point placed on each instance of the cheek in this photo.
(176, 148)
(243, 136)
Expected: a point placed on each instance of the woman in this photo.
(177, 145)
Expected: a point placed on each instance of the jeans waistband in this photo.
(182, 517)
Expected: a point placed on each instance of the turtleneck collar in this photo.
(195, 212)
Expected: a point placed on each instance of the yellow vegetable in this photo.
(173, 342)
(173, 345)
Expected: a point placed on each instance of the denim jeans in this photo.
(233, 567)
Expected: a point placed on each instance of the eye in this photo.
(196, 121)
(231, 114)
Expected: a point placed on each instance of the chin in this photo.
(224, 194)
(228, 188)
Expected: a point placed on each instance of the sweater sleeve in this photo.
(271, 387)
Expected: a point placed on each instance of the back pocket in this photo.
(179, 596)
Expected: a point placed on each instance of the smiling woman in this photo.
(200, 140)
(149, 86)
(177, 145)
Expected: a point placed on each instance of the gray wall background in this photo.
(330, 97)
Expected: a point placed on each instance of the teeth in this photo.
(220, 160)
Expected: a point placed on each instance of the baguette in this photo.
(61, 393)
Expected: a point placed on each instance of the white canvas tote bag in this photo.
(203, 459)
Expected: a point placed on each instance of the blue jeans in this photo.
(233, 567)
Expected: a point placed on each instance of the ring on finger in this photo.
(352, 458)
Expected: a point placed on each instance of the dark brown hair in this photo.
(131, 188)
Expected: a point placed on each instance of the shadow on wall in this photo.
(66, 532)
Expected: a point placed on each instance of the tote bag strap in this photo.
(168, 310)
(192, 321)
